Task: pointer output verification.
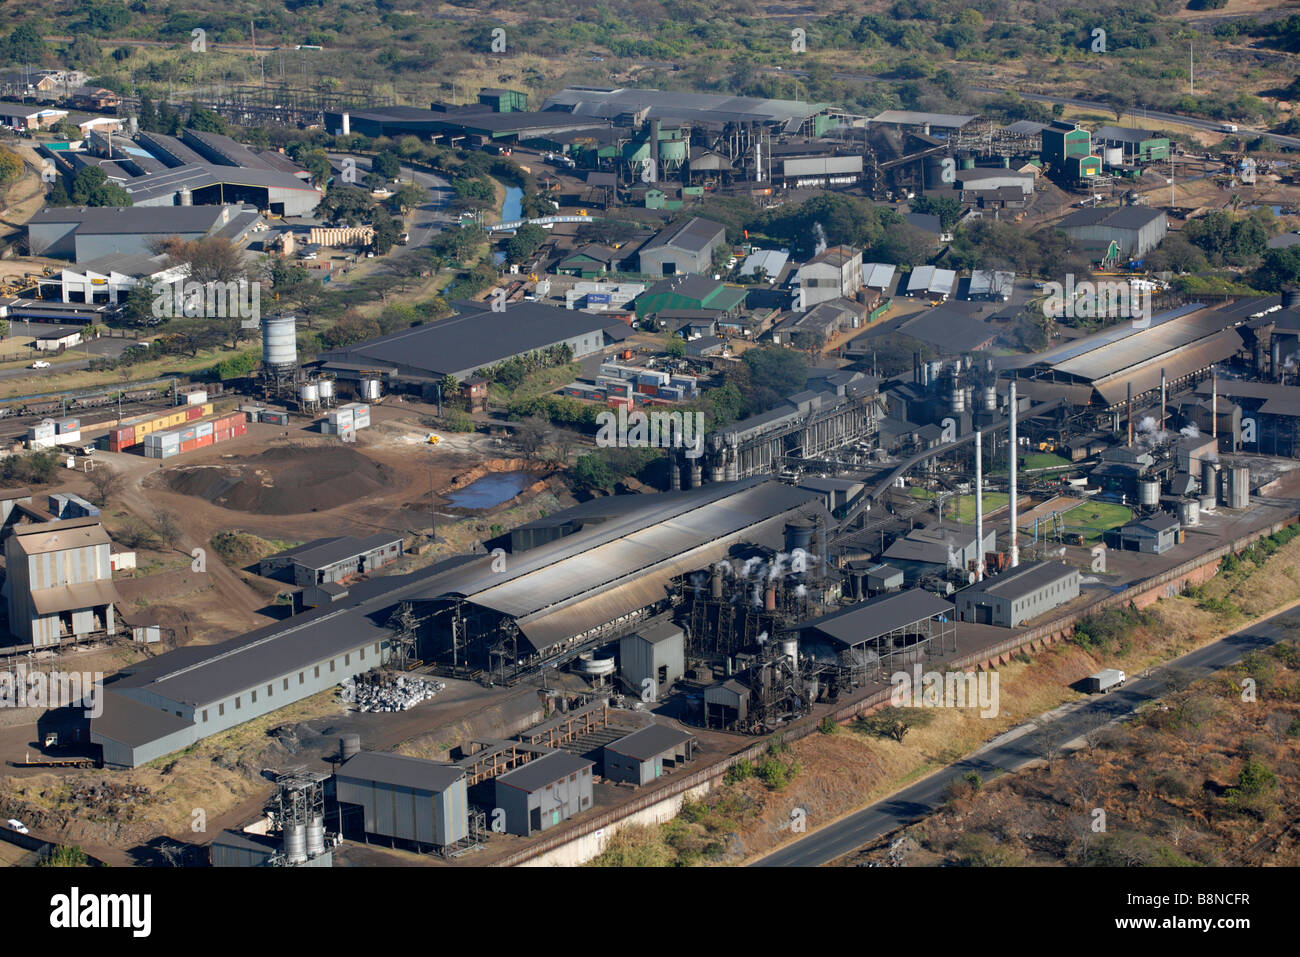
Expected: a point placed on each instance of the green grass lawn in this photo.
(1090, 519)
(1045, 460)
(961, 508)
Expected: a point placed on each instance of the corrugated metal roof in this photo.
(540, 772)
(1016, 583)
(400, 770)
(878, 616)
(131, 723)
(918, 118)
(649, 742)
(1177, 363)
(49, 601)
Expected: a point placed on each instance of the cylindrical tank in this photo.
(316, 836)
(370, 389)
(1210, 479)
(715, 583)
(1148, 493)
(990, 399)
(186, 196)
(295, 843)
(798, 535)
(1114, 156)
(310, 392)
(769, 598)
(279, 342)
(1189, 513)
(1291, 297)
(967, 161)
(1209, 503)
(934, 172)
(349, 744)
(326, 387)
(1237, 487)
(957, 398)
(790, 648)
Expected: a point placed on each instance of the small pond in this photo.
(488, 491)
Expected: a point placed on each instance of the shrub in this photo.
(740, 771)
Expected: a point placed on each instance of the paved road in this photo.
(1020, 746)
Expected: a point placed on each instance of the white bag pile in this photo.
(395, 694)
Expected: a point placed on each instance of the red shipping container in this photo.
(221, 435)
(193, 412)
(189, 446)
(240, 429)
(203, 440)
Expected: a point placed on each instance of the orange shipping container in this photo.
(221, 435)
(203, 440)
(240, 429)
(189, 446)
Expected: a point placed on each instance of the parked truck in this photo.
(1106, 681)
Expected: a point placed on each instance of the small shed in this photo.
(656, 653)
(544, 792)
(642, 756)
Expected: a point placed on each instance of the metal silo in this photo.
(1148, 493)
(295, 843)
(279, 342)
(309, 394)
(1237, 487)
(326, 389)
(349, 744)
(1210, 479)
(316, 836)
(370, 389)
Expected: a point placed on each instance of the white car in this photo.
(40, 364)
(17, 825)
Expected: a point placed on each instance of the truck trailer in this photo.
(1105, 681)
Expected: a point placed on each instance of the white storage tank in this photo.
(1148, 493)
(370, 389)
(326, 389)
(310, 393)
(279, 341)
(1114, 156)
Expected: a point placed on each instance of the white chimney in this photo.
(979, 506)
(1015, 454)
(347, 123)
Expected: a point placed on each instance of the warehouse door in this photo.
(983, 614)
(535, 819)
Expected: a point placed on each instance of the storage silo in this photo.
(309, 395)
(1113, 156)
(326, 388)
(295, 843)
(349, 745)
(990, 399)
(1210, 479)
(370, 390)
(1236, 488)
(279, 342)
(1148, 493)
(1189, 513)
(316, 836)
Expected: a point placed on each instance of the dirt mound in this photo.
(283, 481)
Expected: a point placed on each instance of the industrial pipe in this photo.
(1015, 454)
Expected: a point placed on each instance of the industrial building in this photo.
(1019, 594)
(696, 293)
(685, 248)
(1135, 146)
(476, 338)
(405, 798)
(544, 792)
(1135, 229)
(808, 425)
(832, 274)
(1098, 370)
(656, 654)
(58, 581)
(330, 560)
(644, 756)
(931, 281)
(1155, 534)
(110, 279)
(930, 552)
(885, 633)
(85, 234)
(704, 109)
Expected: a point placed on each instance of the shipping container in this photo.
(68, 425)
(189, 445)
(221, 435)
(203, 428)
(196, 398)
(240, 429)
(203, 441)
(275, 418)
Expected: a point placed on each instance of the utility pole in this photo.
(1191, 57)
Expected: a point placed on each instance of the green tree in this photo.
(386, 165)
(525, 242)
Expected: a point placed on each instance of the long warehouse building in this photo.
(593, 576)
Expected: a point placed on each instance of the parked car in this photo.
(40, 364)
(17, 825)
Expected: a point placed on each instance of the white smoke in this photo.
(821, 239)
(953, 560)
(1148, 424)
(1191, 431)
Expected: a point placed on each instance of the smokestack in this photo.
(1164, 392)
(1214, 405)
(1130, 413)
(1015, 454)
(979, 507)
(347, 124)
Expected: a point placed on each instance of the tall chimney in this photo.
(1164, 392)
(1214, 405)
(1015, 454)
(1130, 413)
(979, 507)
